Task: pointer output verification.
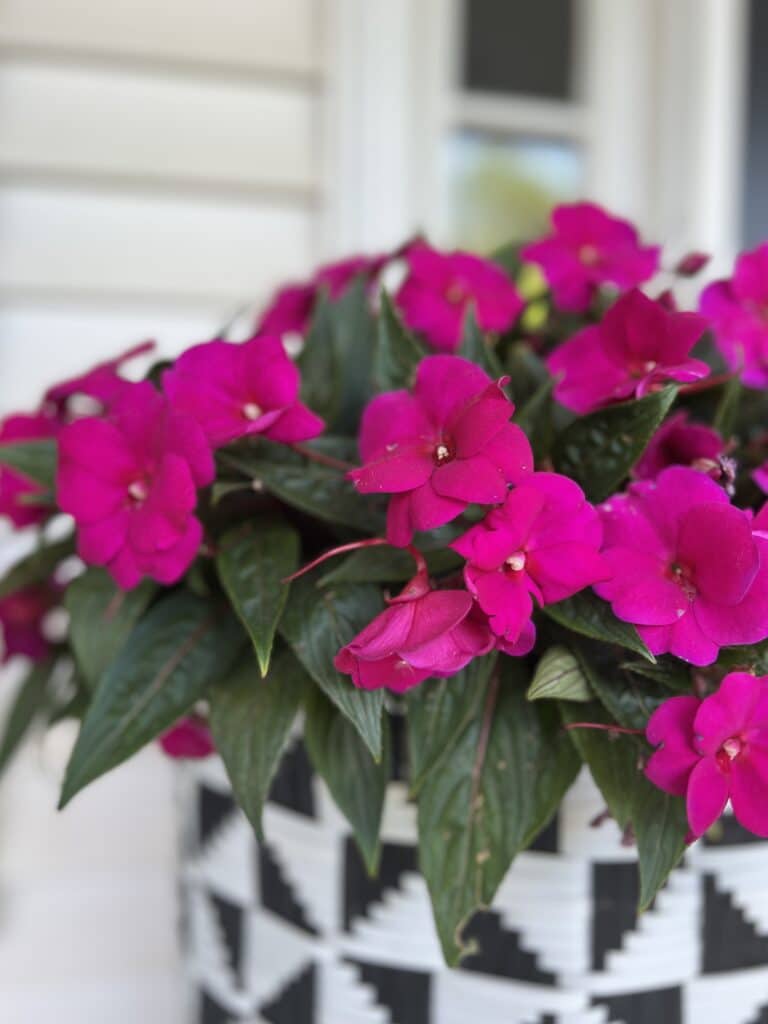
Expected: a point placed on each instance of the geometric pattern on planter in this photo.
(295, 932)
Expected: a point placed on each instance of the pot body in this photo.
(293, 931)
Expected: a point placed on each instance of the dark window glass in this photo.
(519, 46)
(755, 226)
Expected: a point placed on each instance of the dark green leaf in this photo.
(37, 566)
(35, 459)
(387, 565)
(496, 789)
(251, 720)
(587, 614)
(559, 674)
(438, 713)
(178, 650)
(476, 347)
(101, 618)
(600, 449)
(357, 783)
(317, 622)
(29, 702)
(398, 353)
(253, 560)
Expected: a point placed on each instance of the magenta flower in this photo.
(22, 614)
(543, 543)
(638, 347)
(189, 739)
(588, 248)
(17, 491)
(237, 390)
(437, 450)
(422, 633)
(442, 286)
(291, 308)
(130, 481)
(102, 385)
(737, 310)
(688, 569)
(680, 443)
(715, 750)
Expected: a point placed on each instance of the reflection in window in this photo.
(522, 47)
(501, 189)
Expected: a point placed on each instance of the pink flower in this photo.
(422, 633)
(446, 445)
(715, 750)
(21, 620)
(189, 738)
(638, 347)
(680, 443)
(15, 487)
(130, 481)
(588, 248)
(291, 308)
(236, 390)
(543, 543)
(689, 570)
(102, 384)
(737, 310)
(441, 287)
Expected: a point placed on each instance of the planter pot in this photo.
(294, 932)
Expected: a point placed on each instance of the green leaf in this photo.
(320, 491)
(35, 459)
(475, 347)
(250, 720)
(357, 783)
(496, 789)
(30, 700)
(587, 614)
(398, 353)
(728, 408)
(36, 567)
(317, 623)
(387, 565)
(101, 618)
(253, 560)
(600, 449)
(559, 674)
(181, 647)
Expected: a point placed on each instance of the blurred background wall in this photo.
(164, 163)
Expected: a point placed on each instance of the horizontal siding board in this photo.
(156, 127)
(256, 35)
(59, 241)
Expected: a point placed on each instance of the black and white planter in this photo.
(294, 932)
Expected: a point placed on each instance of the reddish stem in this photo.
(322, 458)
(605, 728)
(355, 545)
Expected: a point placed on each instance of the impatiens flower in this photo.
(440, 448)
(17, 491)
(190, 739)
(542, 544)
(422, 633)
(715, 750)
(638, 347)
(21, 619)
(290, 310)
(239, 389)
(588, 248)
(130, 481)
(737, 310)
(440, 288)
(102, 385)
(689, 570)
(680, 443)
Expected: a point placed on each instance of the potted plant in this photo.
(477, 575)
